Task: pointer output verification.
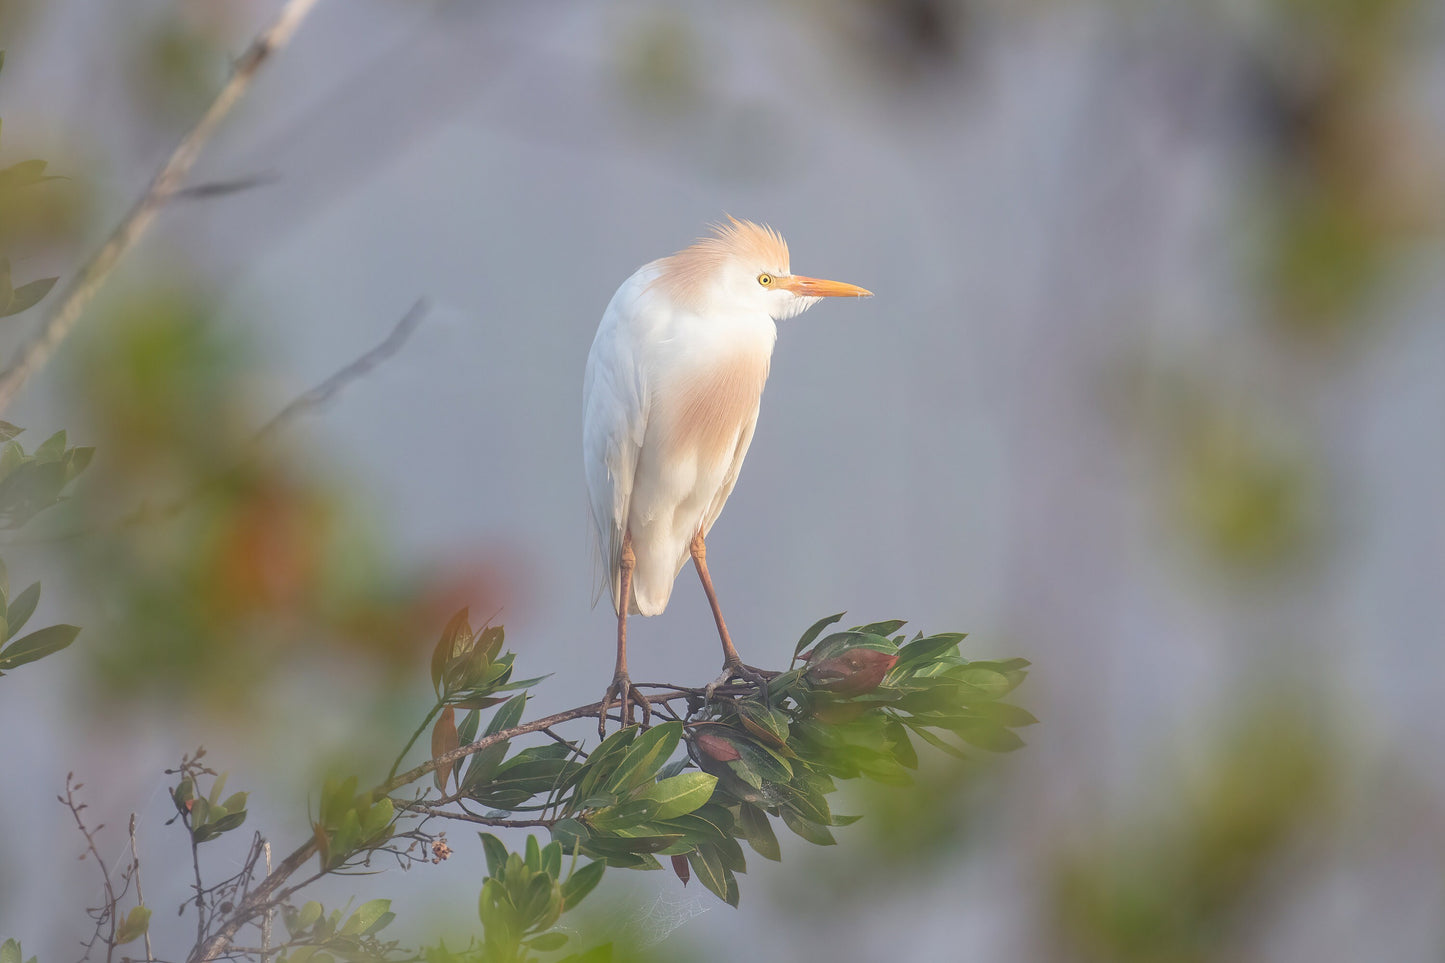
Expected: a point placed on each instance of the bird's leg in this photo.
(732, 662)
(622, 688)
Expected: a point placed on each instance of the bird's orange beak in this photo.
(818, 288)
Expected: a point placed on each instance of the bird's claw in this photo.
(737, 670)
(623, 694)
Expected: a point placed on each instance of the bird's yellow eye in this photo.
(765, 279)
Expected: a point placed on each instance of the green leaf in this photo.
(136, 922)
(489, 641)
(76, 461)
(987, 735)
(884, 629)
(366, 917)
(8, 431)
(989, 680)
(496, 853)
(808, 829)
(303, 919)
(625, 815)
(37, 645)
(645, 757)
(936, 741)
(570, 834)
(27, 296)
(508, 715)
(51, 448)
(454, 638)
(768, 724)
(927, 649)
(20, 610)
(707, 868)
(548, 942)
(1004, 713)
(814, 631)
(225, 824)
(26, 172)
(467, 731)
(682, 794)
(767, 764)
(10, 952)
(539, 904)
(759, 832)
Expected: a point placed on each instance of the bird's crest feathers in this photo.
(685, 276)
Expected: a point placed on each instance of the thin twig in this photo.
(474, 818)
(140, 895)
(200, 887)
(112, 902)
(212, 189)
(302, 404)
(66, 310)
(362, 366)
(266, 920)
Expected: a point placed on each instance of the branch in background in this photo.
(362, 366)
(62, 316)
(104, 915)
(306, 403)
(139, 893)
(212, 189)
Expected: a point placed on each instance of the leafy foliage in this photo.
(14, 181)
(721, 769)
(29, 484)
(322, 937)
(350, 823)
(208, 816)
(695, 787)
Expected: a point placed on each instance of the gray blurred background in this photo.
(1152, 393)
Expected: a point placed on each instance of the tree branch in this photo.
(311, 400)
(168, 180)
(140, 896)
(362, 366)
(269, 893)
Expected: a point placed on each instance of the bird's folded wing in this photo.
(613, 427)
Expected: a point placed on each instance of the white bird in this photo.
(670, 400)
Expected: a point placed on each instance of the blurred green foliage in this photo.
(1351, 179)
(212, 553)
(1187, 875)
(179, 60)
(1237, 475)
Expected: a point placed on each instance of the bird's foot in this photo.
(735, 669)
(623, 694)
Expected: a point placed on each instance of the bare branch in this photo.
(362, 366)
(104, 915)
(66, 310)
(139, 893)
(266, 920)
(212, 189)
(437, 811)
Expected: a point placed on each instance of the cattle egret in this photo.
(670, 400)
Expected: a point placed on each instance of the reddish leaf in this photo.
(444, 740)
(716, 747)
(852, 672)
(680, 867)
